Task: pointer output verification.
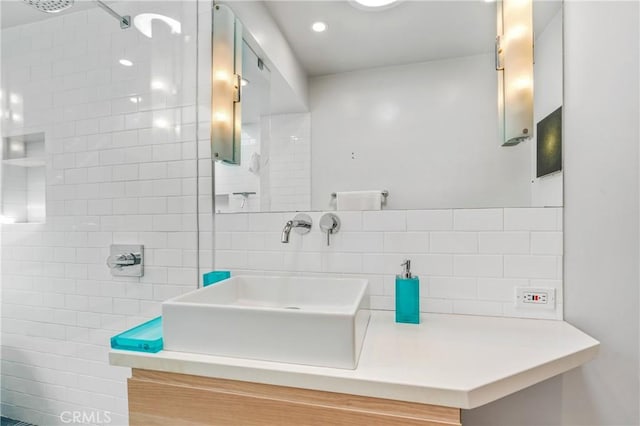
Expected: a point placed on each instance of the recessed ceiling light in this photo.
(373, 4)
(244, 82)
(125, 62)
(319, 26)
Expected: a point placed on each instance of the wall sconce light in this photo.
(514, 63)
(226, 67)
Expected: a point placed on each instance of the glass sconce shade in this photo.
(226, 66)
(514, 62)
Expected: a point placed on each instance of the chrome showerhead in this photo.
(55, 6)
(50, 6)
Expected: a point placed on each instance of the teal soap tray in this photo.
(146, 337)
(214, 277)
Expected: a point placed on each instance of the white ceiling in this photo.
(411, 31)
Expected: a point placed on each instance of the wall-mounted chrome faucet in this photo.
(301, 224)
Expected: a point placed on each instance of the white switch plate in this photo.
(536, 298)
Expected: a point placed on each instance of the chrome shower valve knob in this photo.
(125, 259)
(329, 223)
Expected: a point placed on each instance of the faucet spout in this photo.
(286, 231)
(301, 223)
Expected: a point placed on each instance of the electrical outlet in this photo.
(535, 298)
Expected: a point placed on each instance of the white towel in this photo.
(254, 163)
(359, 200)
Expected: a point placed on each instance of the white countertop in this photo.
(451, 360)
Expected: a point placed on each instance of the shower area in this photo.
(105, 141)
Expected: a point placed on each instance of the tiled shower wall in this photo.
(121, 156)
(470, 261)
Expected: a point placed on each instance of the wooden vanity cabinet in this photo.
(159, 398)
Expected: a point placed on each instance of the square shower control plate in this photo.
(126, 250)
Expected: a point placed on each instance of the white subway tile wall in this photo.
(121, 167)
(470, 261)
(288, 186)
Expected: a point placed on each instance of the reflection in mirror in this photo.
(239, 186)
(403, 99)
(514, 63)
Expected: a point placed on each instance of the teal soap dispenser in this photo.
(407, 296)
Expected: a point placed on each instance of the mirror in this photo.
(402, 100)
(238, 186)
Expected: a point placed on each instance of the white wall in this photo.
(426, 132)
(117, 172)
(601, 134)
(469, 261)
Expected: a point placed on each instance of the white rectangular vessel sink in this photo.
(302, 320)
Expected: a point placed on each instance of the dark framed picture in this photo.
(549, 144)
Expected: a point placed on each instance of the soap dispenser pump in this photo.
(407, 296)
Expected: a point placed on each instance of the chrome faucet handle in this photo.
(124, 259)
(300, 224)
(329, 223)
